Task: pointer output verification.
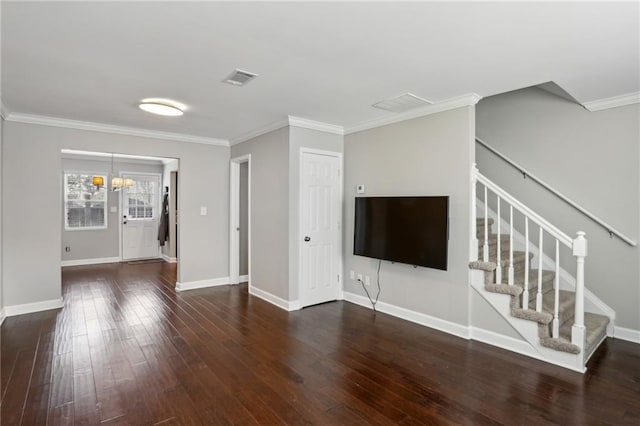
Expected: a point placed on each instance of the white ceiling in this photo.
(327, 62)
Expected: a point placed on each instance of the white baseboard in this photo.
(29, 308)
(192, 285)
(244, 278)
(413, 316)
(628, 334)
(275, 300)
(95, 261)
(169, 259)
(2, 316)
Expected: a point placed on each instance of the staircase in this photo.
(515, 282)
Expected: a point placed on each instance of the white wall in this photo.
(591, 157)
(269, 210)
(431, 155)
(101, 243)
(302, 138)
(31, 191)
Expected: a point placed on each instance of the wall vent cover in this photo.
(402, 103)
(239, 77)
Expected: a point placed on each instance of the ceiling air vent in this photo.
(239, 78)
(402, 103)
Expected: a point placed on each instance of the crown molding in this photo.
(612, 102)
(259, 132)
(315, 125)
(108, 128)
(445, 105)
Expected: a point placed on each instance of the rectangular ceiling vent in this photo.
(402, 103)
(239, 77)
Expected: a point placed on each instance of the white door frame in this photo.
(121, 212)
(234, 219)
(301, 291)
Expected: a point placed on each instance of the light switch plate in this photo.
(203, 211)
(113, 209)
(360, 189)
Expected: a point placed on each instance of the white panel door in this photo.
(140, 217)
(320, 212)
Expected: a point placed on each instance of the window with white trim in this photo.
(85, 204)
(141, 198)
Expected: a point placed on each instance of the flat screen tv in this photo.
(412, 230)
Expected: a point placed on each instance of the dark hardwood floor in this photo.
(126, 349)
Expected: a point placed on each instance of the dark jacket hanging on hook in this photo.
(163, 230)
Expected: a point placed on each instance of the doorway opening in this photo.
(118, 207)
(240, 220)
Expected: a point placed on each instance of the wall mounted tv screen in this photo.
(412, 230)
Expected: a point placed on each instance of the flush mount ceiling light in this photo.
(165, 107)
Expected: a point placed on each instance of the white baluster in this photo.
(473, 249)
(525, 293)
(485, 247)
(556, 285)
(499, 255)
(578, 329)
(539, 295)
(510, 245)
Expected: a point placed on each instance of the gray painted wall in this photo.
(244, 219)
(431, 155)
(591, 157)
(302, 138)
(269, 210)
(96, 244)
(31, 270)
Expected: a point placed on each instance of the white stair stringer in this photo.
(567, 281)
(528, 330)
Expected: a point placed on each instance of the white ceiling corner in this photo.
(315, 125)
(613, 102)
(469, 99)
(259, 132)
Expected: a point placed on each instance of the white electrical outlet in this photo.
(360, 189)
(352, 275)
(367, 281)
(359, 277)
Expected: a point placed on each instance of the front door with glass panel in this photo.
(140, 217)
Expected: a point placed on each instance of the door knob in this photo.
(307, 239)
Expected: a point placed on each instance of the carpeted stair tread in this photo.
(547, 282)
(493, 239)
(596, 326)
(480, 221)
(518, 258)
(566, 307)
(480, 227)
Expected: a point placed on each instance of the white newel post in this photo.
(473, 250)
(578, 334)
